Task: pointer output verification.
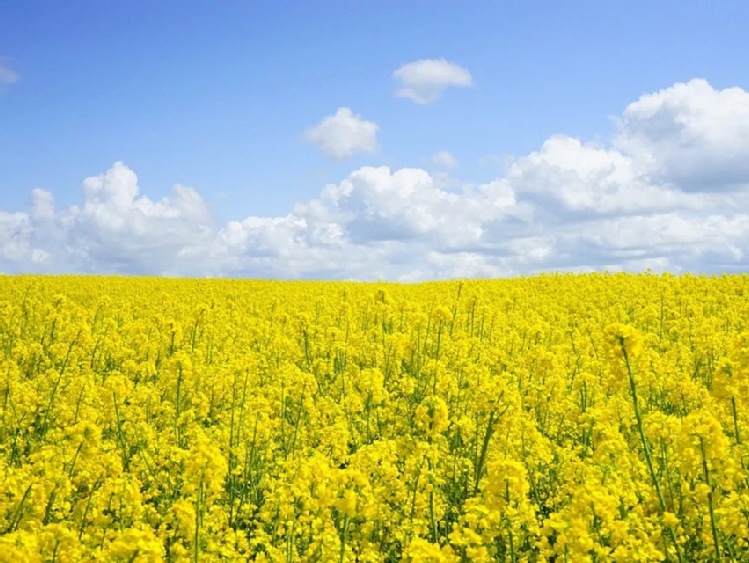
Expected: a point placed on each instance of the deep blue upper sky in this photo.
(218, 95)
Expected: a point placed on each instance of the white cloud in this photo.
(42, 204)
(569, 206)
(343, 134)
(377, 204)
(567, 174)
(690, 134)
(425, 80)
(460, 265)
(445, 159)
(114, 230)
(15, 236)
(7, 75)
(117, 225)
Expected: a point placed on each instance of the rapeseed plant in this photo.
(552, 418)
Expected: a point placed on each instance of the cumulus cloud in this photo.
(425, 80)
(377, 204)
(571, 205)
(567, 174)
(7, 75)
(15, 233)
(690, 134)
(445, 159)
(343, 134)
(115, 229)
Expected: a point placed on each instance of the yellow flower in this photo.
(623, 338)
(670, 519)
(151, 419)
(347, 504)
(432, 416)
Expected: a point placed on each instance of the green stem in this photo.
(196, 550)
(645, 446)
(432, 519)
(342, 553)
(120, 434)
(19, 512)
(413, 498)
(706, 473)
(735, 420)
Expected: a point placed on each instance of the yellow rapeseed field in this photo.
(551, 418)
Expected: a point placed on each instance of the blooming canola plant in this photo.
(598, 417)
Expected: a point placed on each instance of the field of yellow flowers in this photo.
(551, 418)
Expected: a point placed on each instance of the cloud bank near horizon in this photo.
(669, 192)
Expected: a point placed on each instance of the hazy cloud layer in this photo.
(445, 159)
(669, 192)
(7, 75)
(343, 135)
(425, 80)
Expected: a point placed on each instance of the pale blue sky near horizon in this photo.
(217, 95)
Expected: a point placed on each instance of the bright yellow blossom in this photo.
(550, 418)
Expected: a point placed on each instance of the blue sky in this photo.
(222, 97)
